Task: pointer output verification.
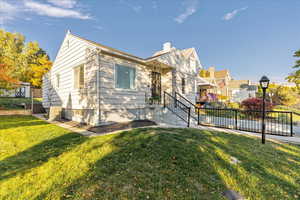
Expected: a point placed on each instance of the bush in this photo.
(233, 105)
(255, 104)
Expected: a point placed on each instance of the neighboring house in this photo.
(96, 84)
(225, 86)
(241, 90)
(22, 90)
(219, 79)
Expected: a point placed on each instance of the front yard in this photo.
(42, 161)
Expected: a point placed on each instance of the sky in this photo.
(251, 38)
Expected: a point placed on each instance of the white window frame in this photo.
(115, 77)
(76, 80)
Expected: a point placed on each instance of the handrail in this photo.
(180, 105)
(176, 93)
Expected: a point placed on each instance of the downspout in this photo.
(98, 51)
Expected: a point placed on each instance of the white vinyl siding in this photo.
(125, 77)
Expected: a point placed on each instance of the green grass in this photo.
(14, 103)
(42, 161)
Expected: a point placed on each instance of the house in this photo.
(218, 80)
(241, 90)
(225, 87)
(97, 84)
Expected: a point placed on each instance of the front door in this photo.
(156, 86)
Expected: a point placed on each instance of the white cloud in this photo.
(64, 3)
(100, 28)
(7, 12)
(231, 15)
(52, 11)
(191, 7)
(135, 8)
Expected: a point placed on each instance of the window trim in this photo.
(115, 78)
(74, 77)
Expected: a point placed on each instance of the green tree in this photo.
(21, 61)
(295, 76)
(285, 96)
(280, 95)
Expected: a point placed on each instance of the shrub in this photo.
(233, 105)
(255, 104)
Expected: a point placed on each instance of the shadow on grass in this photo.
(182, 164)
(38, 154)
(7, 122)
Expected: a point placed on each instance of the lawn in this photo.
(15, 103)
(42, 161)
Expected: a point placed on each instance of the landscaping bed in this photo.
(39, 160)
(110, 127)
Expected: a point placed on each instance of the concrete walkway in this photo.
(71, 128)
(294, 140)
(275, 138)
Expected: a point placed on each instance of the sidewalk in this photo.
(286, 139)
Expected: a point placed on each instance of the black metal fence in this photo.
(276, 122)
(177, 107)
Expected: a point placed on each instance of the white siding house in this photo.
(97, 84)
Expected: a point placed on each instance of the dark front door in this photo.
(156, 85)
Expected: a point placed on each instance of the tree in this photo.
(285, 96)
(21, 61)
(295, 76)
(280, 95)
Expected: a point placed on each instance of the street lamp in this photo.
(264, 84)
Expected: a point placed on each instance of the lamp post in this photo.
(264, 84)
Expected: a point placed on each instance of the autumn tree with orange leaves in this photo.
(20, 61)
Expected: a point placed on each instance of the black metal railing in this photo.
(177, 107)
(188, 103)
(276, 122)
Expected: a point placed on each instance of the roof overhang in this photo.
(205, 84)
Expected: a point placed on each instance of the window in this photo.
(183, 85)
(79, 77)
(57, 79)
(125, 77)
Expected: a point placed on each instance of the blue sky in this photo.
(249, 37)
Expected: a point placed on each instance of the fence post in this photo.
(236, 119)
(198, 111)
(189, 116)
(291, 115)
(175, 100)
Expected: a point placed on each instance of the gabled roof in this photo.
(121, 54)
